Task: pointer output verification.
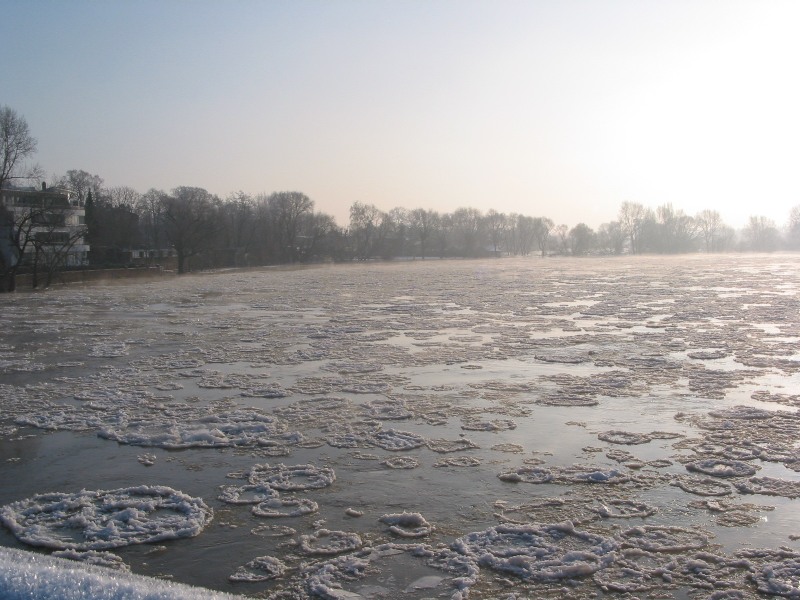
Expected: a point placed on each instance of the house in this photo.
(48, 221)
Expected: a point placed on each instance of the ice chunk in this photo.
(96, 520)
(292, 478)
(262, 568)
(410, 525)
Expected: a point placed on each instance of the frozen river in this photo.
(518, 428)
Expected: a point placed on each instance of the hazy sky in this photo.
(562, 108)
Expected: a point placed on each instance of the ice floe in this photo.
(445, 446)
(351, 575)
(396, 441)
(458, 461)
(625, 509)
(247, 494)
(291, 478)
(236, 428)
(720, 467)
(623, 437)
(261, 568)
(327, 542)
(702, 486)
(407, 525)
(285, 506)
(662, 538)
(542, 553)
(401, 462)
(770, 486)
(97, 520)
(476, 424)
(570, 474)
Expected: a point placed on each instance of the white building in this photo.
(56, 222)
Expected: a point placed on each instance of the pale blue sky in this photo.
(560, 108)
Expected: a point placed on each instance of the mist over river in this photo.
(508, 428)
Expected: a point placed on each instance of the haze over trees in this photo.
(283, 228)
(201, 230)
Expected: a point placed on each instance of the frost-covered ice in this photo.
(95, 520)
(401, 462)
(233, 428)
(624, 427)
(262, 568)
(392, 439)
(285, 507)
(657, 538)
(410, 525)
(717, 467)
(325, 542)
(248, 494)
(29, 576)
(94, 557)
(445, 446)
(770, 486)
(541, 553)
(291, 478)
(458, 461)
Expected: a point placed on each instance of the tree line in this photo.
(205, 231)
(283, 227)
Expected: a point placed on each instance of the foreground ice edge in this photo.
(31, 576)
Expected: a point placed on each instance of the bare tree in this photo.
(150, 207)
(239, 231)
(114, 226)
(581, 239)
(443, 234)
(468, 231)
(15, 235)
(611, 238)
(287, 208)
(561, 234)
(82, 184)
(497, 227)
(87, 189)
(761, 234)
(190, 222)
(710, 225)
(123, 197)
(16, 146)
(365, 224)
(632, 217)
(521, 234)
(396, 230)
(52, 247)
(673, 231)
(319, 237)
(541, 233)
(423, 224)
(793, 232)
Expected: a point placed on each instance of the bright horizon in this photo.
(557, 109)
